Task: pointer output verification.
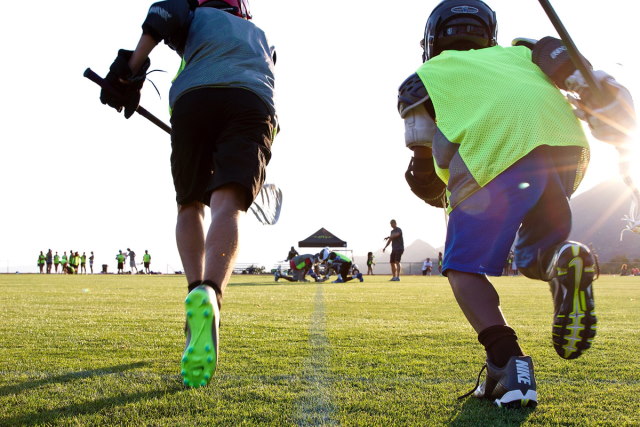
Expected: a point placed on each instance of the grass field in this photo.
(96, 350)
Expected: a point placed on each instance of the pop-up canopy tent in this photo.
(322, 238)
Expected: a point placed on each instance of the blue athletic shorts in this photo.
(527, 204)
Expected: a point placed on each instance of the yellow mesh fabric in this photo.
(498, 106)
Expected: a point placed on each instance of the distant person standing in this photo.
(76, 262)
(146, 259)
(132, 260)
(370, 263)
(83, 263)
(397, 249)
(41, 260)
(120, 258)
(56, 262)
(292, 253)
(440, 263)
(49, 261)
(91, 258)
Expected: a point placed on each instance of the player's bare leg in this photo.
(221, 244)
(190, 240)
(202, 306)
(477, 299)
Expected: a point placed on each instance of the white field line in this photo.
(316, 406)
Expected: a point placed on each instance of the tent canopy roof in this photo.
(322, 238)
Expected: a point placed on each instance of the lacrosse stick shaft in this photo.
(91, 75)
(580, 63)
(578, 60)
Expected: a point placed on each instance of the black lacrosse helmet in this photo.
(459, 25)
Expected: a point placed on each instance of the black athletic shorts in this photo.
(345, 267)
(396, 255)
(219, 136)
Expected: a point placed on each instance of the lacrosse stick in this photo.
(633, 219)
(88, 73)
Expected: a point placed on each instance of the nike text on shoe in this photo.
(512, 386)
(572, 272)
(200, 355)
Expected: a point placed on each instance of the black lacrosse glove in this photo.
(125, 87)
(424, 183)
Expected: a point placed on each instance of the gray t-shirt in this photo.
(222, 50)
(397, 244)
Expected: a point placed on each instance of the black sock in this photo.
(500, 343)
(217, 289)
(194, 285)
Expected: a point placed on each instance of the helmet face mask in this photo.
(459, 25)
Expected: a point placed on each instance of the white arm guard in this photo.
(419, 127)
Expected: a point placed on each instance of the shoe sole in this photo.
(574, 323)
(516, 399)
(200, 356)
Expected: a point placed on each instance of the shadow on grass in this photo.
(259, 284)
(87, 408)
(476, 412)
(71, 376)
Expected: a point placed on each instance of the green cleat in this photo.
(573, 270)
(200, 356)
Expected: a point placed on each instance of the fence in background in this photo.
(381, 268)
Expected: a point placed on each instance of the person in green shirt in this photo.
(70, 263)
(370, 263)
(83, 263)
(120, 258)
(41, 260)
(498, 145)
(56, 262)
(340, 263)
(73, 263)
(64, 261)
(146, 259)
(76, 263)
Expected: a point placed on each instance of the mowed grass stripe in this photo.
(317, 406)
(105, 350)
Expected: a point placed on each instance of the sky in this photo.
(78, 176)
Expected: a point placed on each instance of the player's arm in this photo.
(417, 111)
(169, 20)
(611, 119)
